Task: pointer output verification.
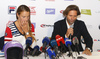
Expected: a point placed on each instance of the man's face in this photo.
(71, 17)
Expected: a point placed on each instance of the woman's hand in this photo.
(25, 26)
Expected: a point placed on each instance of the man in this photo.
(71, 26)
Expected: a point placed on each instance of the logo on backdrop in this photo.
(97, 11)
(96, 39)
(86, 11)
(61, 11)
(12, 9)
(50, 11)
(32, 10)
(68, 0)
(9, 22)
(98, 50)
(34, 25)
(49, 0)
(44, 25)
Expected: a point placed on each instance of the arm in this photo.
(87, 38)
(55, 31)
(8, 35)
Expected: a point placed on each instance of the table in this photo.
(95, 55)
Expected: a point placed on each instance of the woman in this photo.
(22, 28)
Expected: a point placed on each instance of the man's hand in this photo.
(69, 31)
(87, 52)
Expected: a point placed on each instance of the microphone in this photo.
(71, 26)
(60, 42)
(76, 43)
(68, 44)
(36, 48)
(28, 43)
(51, 53)
(45, 42)
(54, 45)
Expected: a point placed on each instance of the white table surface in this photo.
(95, 55)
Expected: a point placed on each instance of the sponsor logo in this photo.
(97, 11)
(98, 50)
(11, 9)
(44, 25)
(34, 25)
(68, 0)
(61, 11)
(9, 22)
(95, 39)
(98, 39)
(86, 11)
(49, 0)
(50, 11)
(32, 10)
(99, 0)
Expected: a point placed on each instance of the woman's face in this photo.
(23, 16)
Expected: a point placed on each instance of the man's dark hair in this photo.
(69, 8)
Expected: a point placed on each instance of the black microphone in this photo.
(71, 26)
(68, 44)
(28, 43)
(54, 45)
(61, 43)
(51, 53)
(35, 49)
(45, 42)
(76, 43)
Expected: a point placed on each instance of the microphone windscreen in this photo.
(68, 43)
(71, 26)
(46, 39)
(36, 47)
(53, 43)
(29, 40)
(57, 36)
(75, 40)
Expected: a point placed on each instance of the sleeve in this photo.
(87, 38)
(8, 35)
(32, 29)
(55, 31)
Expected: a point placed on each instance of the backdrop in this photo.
(45, 12)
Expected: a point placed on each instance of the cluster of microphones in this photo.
(53, 48)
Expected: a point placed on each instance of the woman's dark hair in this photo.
(69, 8)
(22, 8)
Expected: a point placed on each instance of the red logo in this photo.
(61, 11)
(32, 10)
(42, 25)
(9, 22)
(95, 39)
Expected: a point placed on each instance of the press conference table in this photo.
(95, 55)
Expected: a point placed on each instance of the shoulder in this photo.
(79, 22)
(11, 25)
(60, 22)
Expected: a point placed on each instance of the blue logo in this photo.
(34, 25)
(50, 11)
(11, 9)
